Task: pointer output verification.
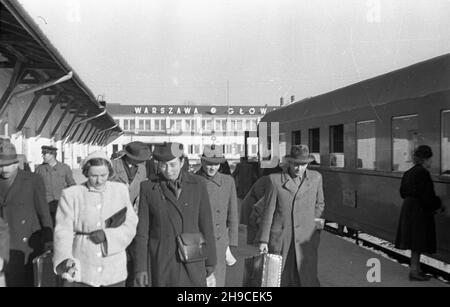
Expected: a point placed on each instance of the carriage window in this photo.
(404, 140)
(445, 143)
(365, 144)
(314, 143)
(296, 137)
(337, 146)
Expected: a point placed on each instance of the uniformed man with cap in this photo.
(57, 176)
(222, 195)
(172, 202)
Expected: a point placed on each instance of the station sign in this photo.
(204, 110)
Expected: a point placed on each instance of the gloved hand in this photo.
(97, 236)
(141, 279)
(67, 269)
(48, 246)
(263, 248)
(209, 270)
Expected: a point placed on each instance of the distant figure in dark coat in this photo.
(24, 207)
(416, 228)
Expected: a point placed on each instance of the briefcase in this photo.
(263, 270)
(44, 275)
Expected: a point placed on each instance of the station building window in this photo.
(404, 140)
(196, 149)
(159, 124)
(254, 149)
(337, 145)
(314, 143)
(220, 125)
(207, 125)
(191, 149)
(190, 125)
(129, 124)
(296, 137)
(365, 144)
(144, 125)
(445, 143)
(175, 125)
(250, 124)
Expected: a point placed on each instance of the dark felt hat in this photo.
(300, 154)
(49, 149)
(423, 152)
(8, 154)
(137, 151)
(167, 151)
(213, 154)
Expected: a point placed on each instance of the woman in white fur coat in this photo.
(87, 251)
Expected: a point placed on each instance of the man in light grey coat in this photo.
(222, 196)
(291, 221)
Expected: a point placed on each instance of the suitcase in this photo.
(263, 270)
(44, 275)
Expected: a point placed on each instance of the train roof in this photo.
(21, 38)
(418, 80)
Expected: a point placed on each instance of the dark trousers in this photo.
(82, 285)
(53, 206)
(289, 277)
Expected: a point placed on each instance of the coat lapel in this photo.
(306, 185)
(288, 183)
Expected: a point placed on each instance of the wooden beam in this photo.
(55, 129)
(86, 126)
(88, 134)
(49, 113)
(15, 78)
(30, 109)
(71, 123)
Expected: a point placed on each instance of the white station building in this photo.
(192, 125)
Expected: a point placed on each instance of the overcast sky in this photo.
(173, 51)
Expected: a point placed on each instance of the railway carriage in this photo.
(363, 136)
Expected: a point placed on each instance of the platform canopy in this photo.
(38, 65)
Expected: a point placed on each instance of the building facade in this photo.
(192, 125)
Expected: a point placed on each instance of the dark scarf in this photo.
(174, 186)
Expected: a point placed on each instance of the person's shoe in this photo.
(418, 276)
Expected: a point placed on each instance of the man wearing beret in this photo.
(172, 203)
(24, 207)
(57, 176)
(222, 195)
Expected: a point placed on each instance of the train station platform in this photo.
(341, 264)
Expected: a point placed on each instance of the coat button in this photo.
(99, 207)
(23, 222)
(24, 240)
(99, 269)
(217, 238)
(99, 255)
(99, 224)
(218, 211)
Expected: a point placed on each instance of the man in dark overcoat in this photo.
(291, 221)
(172, 202)
(24, 207)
